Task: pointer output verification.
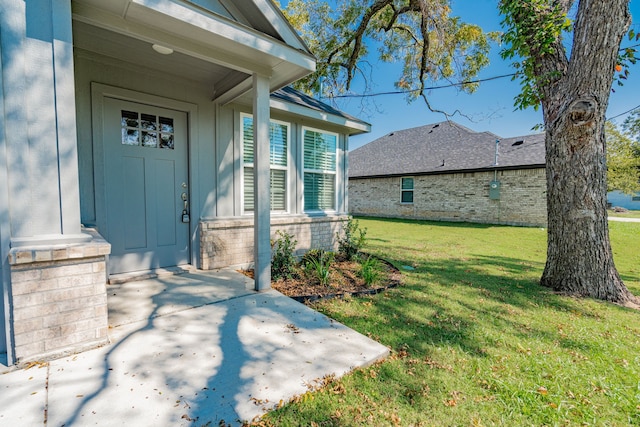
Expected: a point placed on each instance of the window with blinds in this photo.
(278, 144)
(320, 150)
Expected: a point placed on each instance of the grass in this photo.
(477, 342)
(630, 214)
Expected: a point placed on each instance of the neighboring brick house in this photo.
(447, 172)
(127, 144)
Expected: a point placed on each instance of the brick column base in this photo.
(59, 298)
(229, 242)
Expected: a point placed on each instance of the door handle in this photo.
(185, 211)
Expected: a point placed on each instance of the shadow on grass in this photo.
(421, 222)
(472, 304)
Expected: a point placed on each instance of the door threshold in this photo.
(133, 276)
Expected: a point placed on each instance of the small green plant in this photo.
(317, 263)
(352, 239)
(370, 270)
(284, 262)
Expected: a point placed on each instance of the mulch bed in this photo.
(344, 282)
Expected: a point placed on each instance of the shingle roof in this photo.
(444, 147)
(293, 96)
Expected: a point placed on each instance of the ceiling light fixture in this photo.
(162, 49)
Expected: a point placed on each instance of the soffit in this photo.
(192, 31)
(136, 51)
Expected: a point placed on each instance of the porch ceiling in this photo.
(207, 47)
(140, 52)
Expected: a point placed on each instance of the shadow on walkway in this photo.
(201, 353)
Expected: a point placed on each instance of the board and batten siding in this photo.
(456, 197)
(215, 161)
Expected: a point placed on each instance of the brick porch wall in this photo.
(229, 242)
(457, 197)
(59, 299)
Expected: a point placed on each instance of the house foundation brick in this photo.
(59, 299)
(229, 242)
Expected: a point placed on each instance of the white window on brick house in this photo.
(406, 194)
(278, 154)
(319, 162)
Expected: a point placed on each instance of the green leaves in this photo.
(626, 57)
(420, 34)
(533, 29)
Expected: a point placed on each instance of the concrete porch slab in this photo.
(133, 301)
(229, 360)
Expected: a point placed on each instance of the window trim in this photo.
(287, 169)
(407, 190)
(304, 129)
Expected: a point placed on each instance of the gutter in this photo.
(452, 171)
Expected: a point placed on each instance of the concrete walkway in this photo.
(186, 351)
(623, 219)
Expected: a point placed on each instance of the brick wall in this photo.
(59, 299)
(229, 242)
(457, 197)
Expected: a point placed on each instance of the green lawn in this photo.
(477, 342)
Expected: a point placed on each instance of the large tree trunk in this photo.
(579, 256)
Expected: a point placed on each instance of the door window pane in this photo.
(149, 139)
(166, 125)
(149, 122)
(130, 136)
(166, 141)
(129, 118)
(142, 129)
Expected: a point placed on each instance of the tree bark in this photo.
(579, 256)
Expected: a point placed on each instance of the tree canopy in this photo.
(566, 65)
(420, 34)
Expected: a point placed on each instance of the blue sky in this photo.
(490, 108)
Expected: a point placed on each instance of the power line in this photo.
(622, 114)
(402, 92)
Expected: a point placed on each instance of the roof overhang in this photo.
(196, 32)
(355, 127)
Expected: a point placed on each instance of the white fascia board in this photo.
(355, 127)
(281, 24)
(215, 29)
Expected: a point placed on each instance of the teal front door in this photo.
(147, 188)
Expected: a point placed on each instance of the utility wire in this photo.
(400, 92)
(622, 114)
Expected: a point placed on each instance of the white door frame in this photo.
(101, 91)
(6, 327)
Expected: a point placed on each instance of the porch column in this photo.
(40, 121)
(261, 184)
(53, 273)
